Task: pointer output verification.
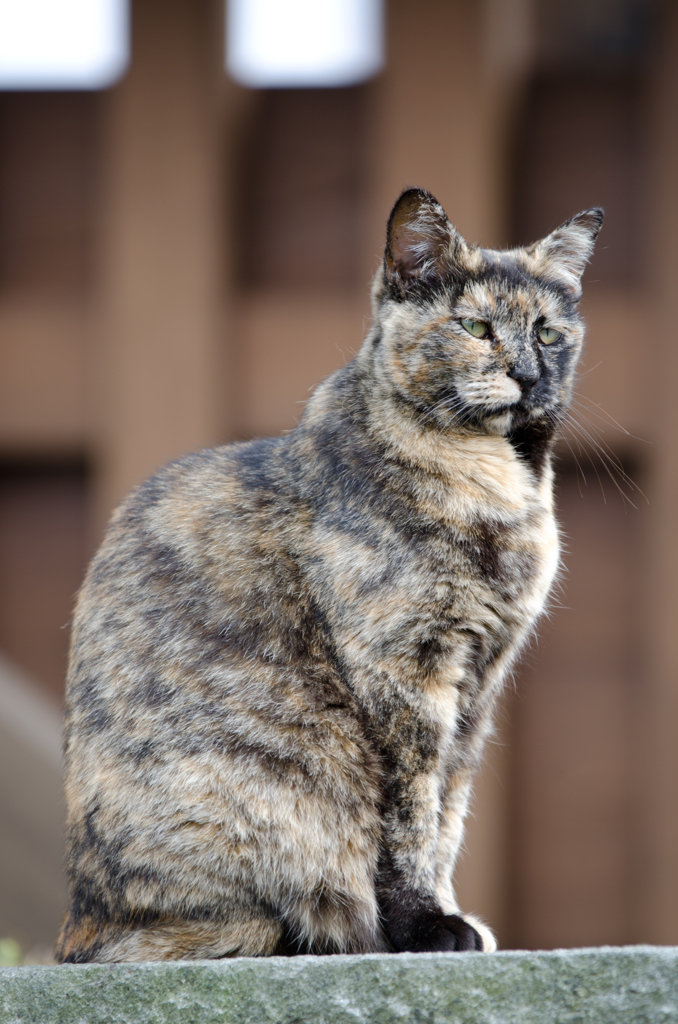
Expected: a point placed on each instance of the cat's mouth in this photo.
(529, 404)
(504, 417)
(525, 415)
(453, 406)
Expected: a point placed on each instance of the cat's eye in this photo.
(478, 328)
(548, 335)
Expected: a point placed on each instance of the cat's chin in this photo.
(500, 424)
(506, 421)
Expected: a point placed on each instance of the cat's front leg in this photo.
(451, 832)
(414, 915)
(418, 916)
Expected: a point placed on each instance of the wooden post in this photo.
(656, 740)
(441, 110)
(156, 393)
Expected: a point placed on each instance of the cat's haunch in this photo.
(286, 653)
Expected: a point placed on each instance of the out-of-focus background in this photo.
(183, 257)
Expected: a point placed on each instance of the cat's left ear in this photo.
(567, 250)
(420, 241)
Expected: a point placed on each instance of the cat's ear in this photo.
(419, 241)
(566, 251)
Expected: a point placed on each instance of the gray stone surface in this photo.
(635, 984)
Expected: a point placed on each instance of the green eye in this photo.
(548, 335)
(477, 328)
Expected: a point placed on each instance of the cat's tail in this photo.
(87, 941)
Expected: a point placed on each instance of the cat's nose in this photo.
(526, 374)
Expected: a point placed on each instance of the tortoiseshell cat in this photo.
(286, 653)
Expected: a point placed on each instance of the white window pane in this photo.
(276, 43)
(63, 44)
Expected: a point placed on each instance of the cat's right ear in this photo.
(567, 250)
(419, 241)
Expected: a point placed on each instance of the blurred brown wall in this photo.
(182, 259)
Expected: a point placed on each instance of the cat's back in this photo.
(168, 623)
(186, 532)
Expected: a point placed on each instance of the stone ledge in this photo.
(634, 984)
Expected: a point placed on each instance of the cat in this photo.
(286, 653)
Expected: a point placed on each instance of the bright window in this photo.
(276, 43)
(63, 44)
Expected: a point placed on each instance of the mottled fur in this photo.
(286, 653)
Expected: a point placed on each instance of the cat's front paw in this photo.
(461, 936)
(445, 933)
(460, 933)
(489, 943)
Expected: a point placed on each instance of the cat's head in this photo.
(476, 337)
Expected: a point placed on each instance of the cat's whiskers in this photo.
(602, 414)
(453, 405)
(590, 443)
(550, 415)
(592, 434)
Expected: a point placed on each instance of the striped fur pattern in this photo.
(286, 653)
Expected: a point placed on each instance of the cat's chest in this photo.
(480, 580)
(497, 538)
(462, 573)
(492, 522)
